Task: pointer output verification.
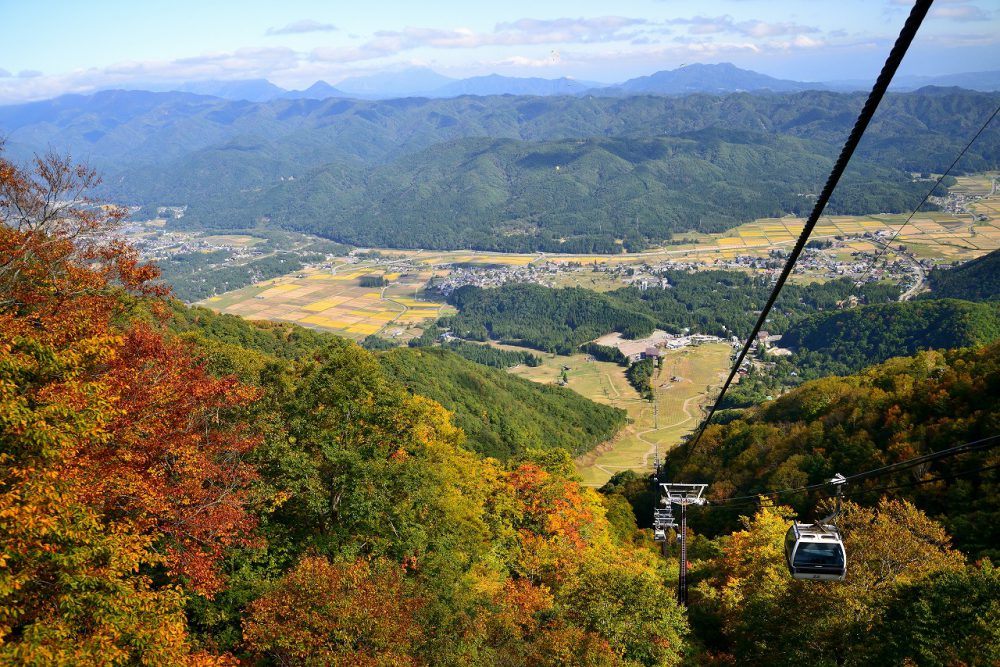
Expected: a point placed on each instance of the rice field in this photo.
(940, 236)
(482, 259)
(233, 240)
(333, 300)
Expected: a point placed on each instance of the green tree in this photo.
(951, 618)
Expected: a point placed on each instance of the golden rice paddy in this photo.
(333, 301)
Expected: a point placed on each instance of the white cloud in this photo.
(704, 25)
(954, 10)
(246, 63)
(806, 42)
(960, 13)
(299, 27)
(523, 32)
(523, 61)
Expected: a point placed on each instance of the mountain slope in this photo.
(867, 335)
(383, 85)
(117, 130)
(713, 79)
(888, 413)
(494, 84)
(320, 90)
(252, 90)
(566, 196)
(503, 416)
(975, 280)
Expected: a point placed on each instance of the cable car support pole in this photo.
(682, 584)
(906, 35)
(683, 495)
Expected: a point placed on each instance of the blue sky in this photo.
(54, 47)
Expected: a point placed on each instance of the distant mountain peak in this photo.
(320, 90)
(710, 78)
(399, 83)
(252, 90)
(497, 84)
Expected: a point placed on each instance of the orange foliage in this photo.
(555, 522)
(170, 465)
(115, 451)
(358, 614)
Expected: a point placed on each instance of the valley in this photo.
(407, 293)
(682, 386)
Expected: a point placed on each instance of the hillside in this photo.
(183, 488)
(494, 84)
(855, 338)
(976, 280)
(715, 79)
(281, 340)
(121, 130)
(180, 499)
(887, 413)
(180, 148)
(565, 196)
(502, 415)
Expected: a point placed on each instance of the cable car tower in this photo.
(683, 495)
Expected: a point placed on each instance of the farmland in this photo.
(682, 386)
(334, 300)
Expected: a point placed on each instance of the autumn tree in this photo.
(951, 618)
(121, 476)
(768, 618)
(357, 614)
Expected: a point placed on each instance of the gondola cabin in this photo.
(816, 552)
(659, 535)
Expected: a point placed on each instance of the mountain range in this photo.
(718, 78)
(355, 170)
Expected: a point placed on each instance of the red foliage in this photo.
(162, 459)
(171, 464)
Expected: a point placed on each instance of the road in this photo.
(917, 286)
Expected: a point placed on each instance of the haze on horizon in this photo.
(82, 47)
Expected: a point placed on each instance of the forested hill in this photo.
(903, 408)
(975, 280)
(177, 487)
(503, 416)
(849, 340)
(713, 302)
(565, 196)
(121, 130)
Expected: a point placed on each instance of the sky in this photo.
(52, 47)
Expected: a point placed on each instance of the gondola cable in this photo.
(906, 35)
(867, 492)
(816, 551)
(920, 482)
(967, 447)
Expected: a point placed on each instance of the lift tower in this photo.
(683, 495)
